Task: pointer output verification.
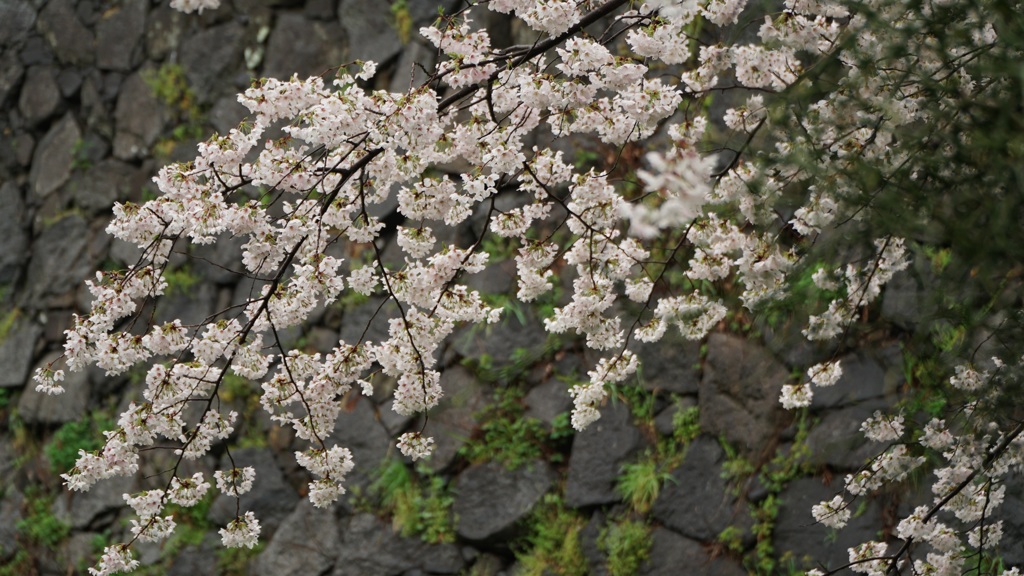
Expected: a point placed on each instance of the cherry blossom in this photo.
(483, 145)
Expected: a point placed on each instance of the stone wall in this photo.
(97, 94)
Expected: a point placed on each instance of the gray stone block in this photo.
(41, 408)
(139, 117)
(40, 94)
(323, 47)
(490, 500)
(739, 393)
(17, 18)
(370, 546)
(71, 40)
(51, 163)
(80, 510)
(16, 350)
(305, 544)
(696, 502)
(211, 56)
(598, 453)
(119, 36)
(672, 554)
(14, 241)
(61, 259)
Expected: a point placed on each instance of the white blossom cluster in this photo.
(968, 489)
(242, 531)
(499, 115)
(187, 6)
(415, 446)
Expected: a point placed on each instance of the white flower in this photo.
(936, 436)
(967, 378)
(638, 290)
(825, 374)
(869, 558)
(834, 513)
(881, 428)
(331, 465)
(236, 481)
(188, 492)
(796, 396)
(154, 528)
(415, 446)
(147, 503)
(369, 68)
(363, 280)
(115, 560)
(746, 117)
(417, 242)
(47, 381)
(242, 531)
(187, 6)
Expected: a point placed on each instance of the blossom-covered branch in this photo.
(826, 114)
